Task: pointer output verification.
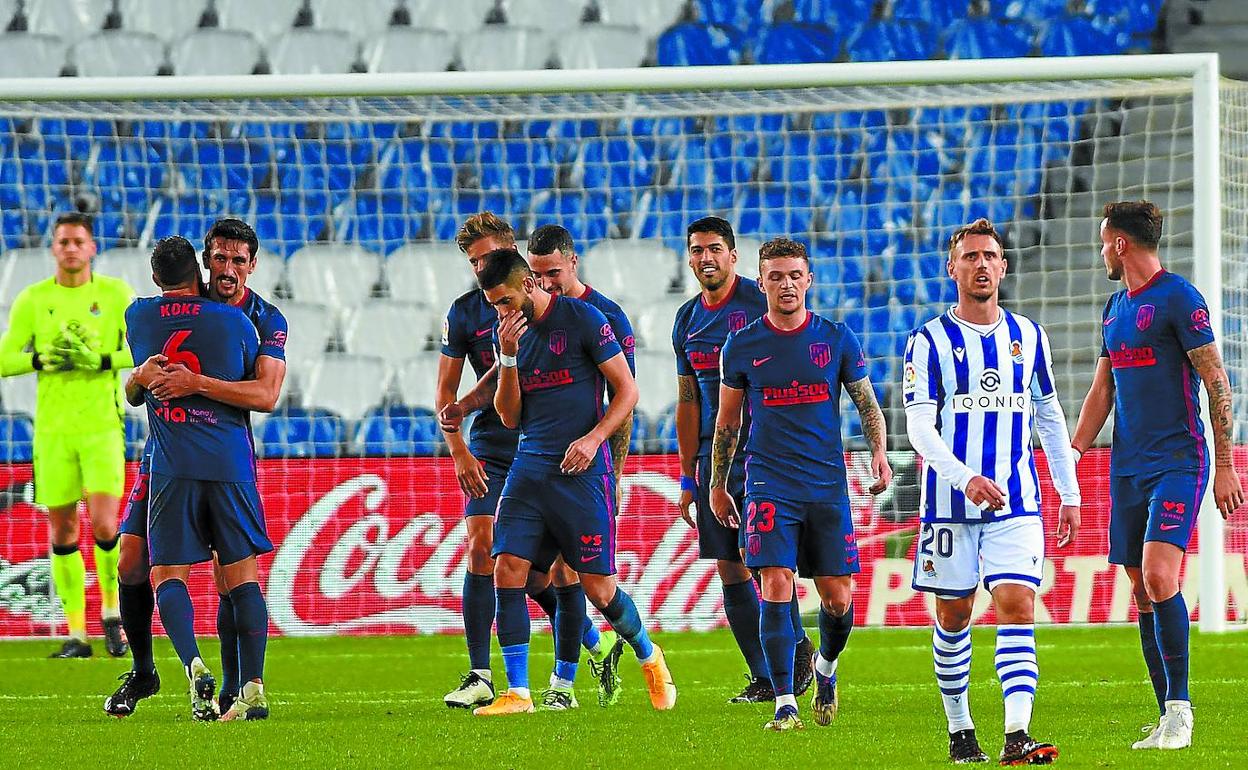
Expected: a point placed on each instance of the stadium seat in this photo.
(128, 172)
(1140, 17)
(693, 44)
(134, 426)
(118, 53)
(132, 265)
(307, 51)
(639, 439)
(987, 38)
(892, 41)
(338, 275)
(296, 432)
(601, 46)
(393, 330)
(1036, 11)
(312, 326)
(398, 430)
(71, 20)
(557, 16)
(168, 20)
(268, 273)
(846, 15)
(463, 16)
(652, 322)
(775, 209)
(21, 267)
(383, 222)
(286, 222)
(347, 384)
(432, 274)
(739, 14)
(586, 215)
(501, 47)
(656, 378)
(663, 440)
(418, 379)
(28, 55)
(17, 436)
(268, 20)
(747, 257)
(650, 16)
(407, 49)
(200, 52)
(794, 43)
(1079, 36)
(18, 394)
(364, 19)
(938, 13)
(613, 266)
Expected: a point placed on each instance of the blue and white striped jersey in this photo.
(983, 381)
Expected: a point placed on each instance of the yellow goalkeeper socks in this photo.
(69, 575)
(106, 556)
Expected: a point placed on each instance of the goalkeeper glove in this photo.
(51, 358)
(79, 352)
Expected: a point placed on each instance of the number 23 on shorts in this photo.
(760, 517)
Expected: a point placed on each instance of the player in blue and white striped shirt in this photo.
(977, 381)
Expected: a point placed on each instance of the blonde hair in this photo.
(980, 226)
(485, 224)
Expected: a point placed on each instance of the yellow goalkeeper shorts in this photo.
(67, 466)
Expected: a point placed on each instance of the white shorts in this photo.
(950, 559)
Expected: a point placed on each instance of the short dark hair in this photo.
(1139, 220)
(547, 238)
(231, 229)
(716, 225)
(173, 262)
(980, 226)
(76, 218)
(501, 266)
(778, 248)
(485, 224)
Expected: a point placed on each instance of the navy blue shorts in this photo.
(543, 515)
(715, 541)
(812, 539)
(1161, 507)
(189, 519)
(495, 477)
(134, 515)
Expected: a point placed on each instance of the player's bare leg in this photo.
(1019, 673)
(102, 510)
(137, 607)
(69, 576)
(618, 608)
(951, 652)
(1160, 569)
(511, 575)
(476, 688)
(177, 615)
(241, 580)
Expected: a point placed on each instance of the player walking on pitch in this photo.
(790, 366)
(977, 381)
(1157, 347)
(726, 303)
(70, 329)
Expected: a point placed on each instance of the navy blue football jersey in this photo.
(620, 324)
(269, 322)
(468, 332)
(195, 437)
(793, 382)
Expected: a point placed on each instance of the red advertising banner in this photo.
(377, 546)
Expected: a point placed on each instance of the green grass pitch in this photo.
(377, 701)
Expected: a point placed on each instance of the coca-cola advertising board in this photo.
(377, 546)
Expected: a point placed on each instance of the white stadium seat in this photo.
(747, 257)
(418, 379)
(71, 20)
(339, 275)
(393, 330)
(310, 327)
(118, 53)
(264, 279)
(31, 55)
(216, 52)
(499, 47)
(407, 49)
(656, 379)
(17, 394)
(21, 267)
(652, 323)
(362, 18)
(132, 265)
(167, 19)
(313, 52)
(557, 16)
(461, 16)
(603, 46)
(651, 16)
(433, 274)
(613, 266)
(267, 20)
(347, 384)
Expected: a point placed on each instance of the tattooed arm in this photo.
(1228, 493)
(619, 443)
(874, 429)
(723, 448)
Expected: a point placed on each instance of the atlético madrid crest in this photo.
(1144, 318)
(558, 342)
(736, 320)
(820, 354)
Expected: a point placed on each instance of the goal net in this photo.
(356, 185)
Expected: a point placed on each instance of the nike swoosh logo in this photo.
(761, 361)
(588, 558)
(1168, 527)
(483, 332)
(1108, 321)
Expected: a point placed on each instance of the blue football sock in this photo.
(795, 614)
(1152, 658)
(776, 632)
(569, 628)
(228, 634)
(137, 607)
(513, 635)
(834, 632)
(590, 635)
(1173, 630)
(177, 615)
(547, 600)
(622, 614)
(741, 607)
(251, 619)
(478, 608)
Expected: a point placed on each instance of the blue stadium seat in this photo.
(1137, 17)
(1080, 36)
(529, 166)
(846, 15)
(710, 163)
(939, 13)
(296, 432)
(385, 221)
(287, 221)
(739, 14)
(17, 436)
(988, 39)
(229, 164)
(663, 440)
(1008, 157)
(128, 172)
(795, 43)
(463, 204)
(187, 215)
(584, 214)
(639, 442)
(776, 209)
(398, 430)
(1036, 11)
(136, 436)
(692, 44)
(676, 209)
(616, 163)
(892, 41)
(322, 166)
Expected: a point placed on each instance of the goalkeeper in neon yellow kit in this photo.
(70, 330)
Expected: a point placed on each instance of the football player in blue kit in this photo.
(789, 367)
(726, 303)
(1157, 347)
(203, 497)
(229, 257)
(556, 355)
